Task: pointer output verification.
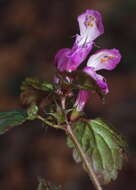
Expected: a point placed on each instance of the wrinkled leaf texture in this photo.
(103, 148)
(36, 84)
(12, 118)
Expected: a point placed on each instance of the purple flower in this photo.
(102, 59)
(81, 100)
(69, 59)
(100, 80)
(90, 24)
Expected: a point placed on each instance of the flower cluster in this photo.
(69, 59)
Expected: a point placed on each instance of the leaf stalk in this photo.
(48, 122)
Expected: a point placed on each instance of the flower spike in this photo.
(69, 59)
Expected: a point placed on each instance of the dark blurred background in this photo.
(31, 31)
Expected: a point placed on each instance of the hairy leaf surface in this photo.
(36, 84)
(12, 118)
(35, 91)
(102, 146)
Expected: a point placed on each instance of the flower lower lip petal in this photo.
(101, 82)
(105, 59)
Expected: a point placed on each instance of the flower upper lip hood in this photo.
(91, 26)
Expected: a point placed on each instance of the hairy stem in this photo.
(84, 159)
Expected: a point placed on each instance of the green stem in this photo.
(89, 168)
(48, 122)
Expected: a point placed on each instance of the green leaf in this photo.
(12, 118)
(36, 84)
(44, 185)
(102, 146)
(35, 91)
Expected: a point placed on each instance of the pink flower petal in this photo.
(104, 59)
(69, 59)
(100, 80)
(82, 99)
(91, 26)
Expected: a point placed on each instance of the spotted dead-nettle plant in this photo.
(61, 104)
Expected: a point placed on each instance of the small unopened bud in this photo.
(32, 112)
(75, 115)
(81, 100)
